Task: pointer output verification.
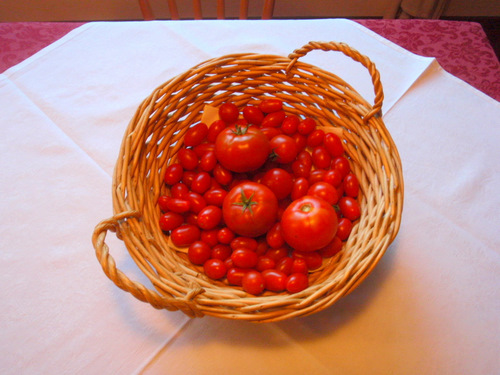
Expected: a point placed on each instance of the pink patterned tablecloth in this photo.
(461, 48)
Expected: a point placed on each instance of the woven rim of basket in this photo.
(154, 136)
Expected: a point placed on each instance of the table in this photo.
(461, 48)
(430, 306)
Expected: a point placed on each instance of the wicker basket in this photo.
(155, 134)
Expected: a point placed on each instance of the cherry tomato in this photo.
(201, 182)
(221, 251)
(351, 185)
(250, 209)
(306, 126)
(290, 124)
(309, 223)
(208, 161)
(225, 235)
(284, 149)
(271, 105)
(344, 229)
(277, 254)
(324, 191)
(188, 158)
(265, 263)
(162, 202)
(209, 236)
(299, 265)
(297, 282)
(300, 188)
(178, 205)
(235, 275)
(228, 112)
(203, 148)
(253, 115)
(215, 128)
(313, 259)
(316, 176)
(244, 258)
(332, 248)
(285, 265)
(242, 149)
(321, 158)
(215, 196)
(179, 190)
(170, 221)
(273, 119)
(196, 202)
(334, 145)
(333, 177)
(300, 170)
(195, 135)
(185, 235)
(270, 133)
(173, 174)
(279, 181)
(315, 138)
(253, 282)
(215, 269)
(222, 175)
(342, 165)
(248, 243)
(199, 252)
(274, 237)
(209, 217)
(300, 141)
(349, 208)
(274, 280)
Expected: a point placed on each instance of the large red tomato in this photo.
(242, 148)
(250, 209)
(309, 223)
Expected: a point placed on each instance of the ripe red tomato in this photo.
(244, 258)
(332, 248)
(324, 191)
(222, 175)
(299, 265)
(273, 119)
(333, 144)
(235, 275)
(349, 207)
(185, 235)
(215, 269)
(221, 252)
(188, 158)
(313, 259)
(279, 181)
(290, 124)
(315, 138)
(248, 243)
(284, 149)
(250, 209)
(306, 126)
(229, 112)
(351, 185)
(342, 164)
(173, 174)
(253, 115)
(271, 105)
(215, 128)
(321, 158)
(170, 221)
(208, 161)
(274, 280)
(225, 235)
(285, 265)
(344, 229)
(195, 135)
(297, 282)
(309, 223)
(179, 190)
(300, 188)
(274, 237)
(215, 196)
(201, 182)
(242, 148)
(265, 263)
(253, 282)
(199, 252)
(209, 236)
(209, 217)
(178, 205)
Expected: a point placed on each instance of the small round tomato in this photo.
(271, 105)
(334, 145)
(342, 164)
(297, 282)
(162, 202)
(309, 223)
(215, 196)
(228, 112)
(300, 141)
(195, 135)
(253, 115)
(273, 119)
(315, 138)
(209, 236)
(300, 170)
(277, 254)
(170, 221)
(274, 237)
(208, 161)
(242, 148)
(221, 251)
(253, 282)
(279, 181)
(321, 158)
(284, 149)
(196, 202)
(274, 280)
(285, 265)
(209, 217)
(349, 207)
(265, 263)
(199, 252)
(300, 188)
(215, 128)
(203, 148)
(185, 235)
(351, 185)
(244, 258)
(313, 259)
(225, 235)
(222, 175)
(306, 126)
(215, 269)
(201, 182)
(250, 209)
(344, 229)
(324, 191)
(270, 133)
(178, 205)
(188, 158)
(333, 177)
(248, 243)
(332, 248)
(179, 190)
(299, 265)
(235, 275)
(173, 174)
(290, 124)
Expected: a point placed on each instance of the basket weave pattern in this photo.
(155, 134)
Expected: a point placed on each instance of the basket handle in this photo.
(138, 290)
(376, 110)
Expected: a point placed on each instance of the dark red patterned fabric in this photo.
(461, 48)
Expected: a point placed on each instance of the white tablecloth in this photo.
(431, 306)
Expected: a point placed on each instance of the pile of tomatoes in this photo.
(260, 197)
